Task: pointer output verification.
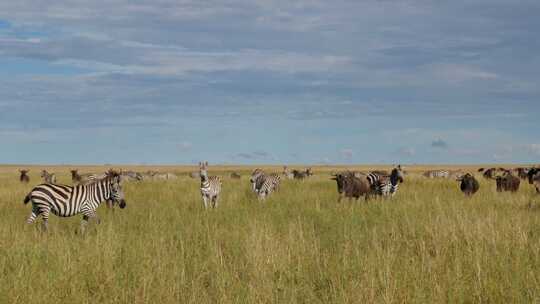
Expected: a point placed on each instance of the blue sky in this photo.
(175, 82)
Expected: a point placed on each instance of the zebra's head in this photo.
(203, 169)
(44, 173)
(117, 194)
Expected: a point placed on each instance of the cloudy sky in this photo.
(269, 81)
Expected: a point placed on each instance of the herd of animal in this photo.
(89, 190)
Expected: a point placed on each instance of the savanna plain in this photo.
(428, 244)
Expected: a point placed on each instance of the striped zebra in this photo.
(83, 179)
(66, 201)
(210, 186)
(386, 185)
(437, 174)
(49, 178)
(256, 175)
(264, 184)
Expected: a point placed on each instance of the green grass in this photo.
(429, 244)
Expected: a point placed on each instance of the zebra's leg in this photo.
(205, 201)
(215, 201)
(86, 219)
(45, 217)
(33, 215)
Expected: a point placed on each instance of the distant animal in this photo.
(24, 178)
(492, 173)
(287, 173)
(522, 172)
(297, 174)
(194, 174)
(468, 184)
(68, 201)
(235, 175)
(48, 177)
(350, 186)
(87, 178)
(456, 174)
(154, 175)
(264, 184)
(210, 186)
(131, 176)
(507, 182)
(164, 176)
(386, 185)
(534, 178)
(437, 174)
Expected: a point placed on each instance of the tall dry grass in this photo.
(429, 244)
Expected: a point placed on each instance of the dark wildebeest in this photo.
(469, 185)
(351, 187)
(24, 178)
(492, 173)
(534, 178)
(522, 172)
(48, 177)
(507, 182)
(235, 175)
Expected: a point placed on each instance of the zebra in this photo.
(266, 184)
(210, 186)
(437, 174)
(66, 201)
(48, 177)
(386, 185)
(84, 179)
(255, 175)
(24, 178)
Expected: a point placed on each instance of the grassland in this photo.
(429, 244)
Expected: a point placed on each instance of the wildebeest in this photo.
(492, 173)
(351, 186)
(235, 175)
(24, 178)
(469, 185)
(534, 178)
(507, 182)
(48, 177)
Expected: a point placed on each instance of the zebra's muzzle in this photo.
(122, 204)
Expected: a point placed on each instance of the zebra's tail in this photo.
(27, 199)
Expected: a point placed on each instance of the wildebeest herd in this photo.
(89, 190)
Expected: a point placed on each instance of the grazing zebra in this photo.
(48, 177)
(24, 178)
(266, 184)
(84, 179)
(287, 173)
(437, 174)
(297, 174)
(386, 185)
(68, 201)
(210, 186)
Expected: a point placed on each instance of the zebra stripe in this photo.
(210, 186)
(256, 178)
(266, 184)
(437, 174)
(385, 185)
(66, 201)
